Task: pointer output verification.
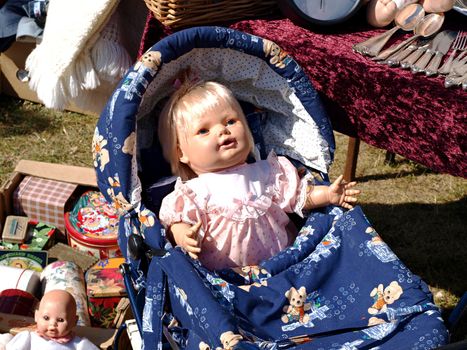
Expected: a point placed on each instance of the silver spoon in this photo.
(427, 26)
(406, 19)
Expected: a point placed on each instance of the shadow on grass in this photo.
(430, 239)
(418, 170)
(15, 120)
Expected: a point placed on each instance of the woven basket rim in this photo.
(183, 13)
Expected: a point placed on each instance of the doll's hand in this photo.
(341, 193)
(186, 236)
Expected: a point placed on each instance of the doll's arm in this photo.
(186, 236)
(338, 193)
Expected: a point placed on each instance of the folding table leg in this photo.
(352, 157)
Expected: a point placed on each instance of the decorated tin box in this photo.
(40, 236)
(105, 289)
(15, 230)
(43, 200)
(92, 226)
(24, 259)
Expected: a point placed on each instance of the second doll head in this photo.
(56, 316)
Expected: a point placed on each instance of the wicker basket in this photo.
(189, 13)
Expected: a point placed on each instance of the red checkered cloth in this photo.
(43, 200)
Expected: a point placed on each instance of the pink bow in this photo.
(257, 205)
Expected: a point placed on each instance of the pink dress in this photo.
(242, 210)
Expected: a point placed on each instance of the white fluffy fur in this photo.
(80, 47)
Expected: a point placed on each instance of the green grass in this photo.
(419, 213)
(29, 131)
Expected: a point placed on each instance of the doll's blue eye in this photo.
(231, 122)
(203, 131)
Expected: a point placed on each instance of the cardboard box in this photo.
(85, 177)
(11, 62)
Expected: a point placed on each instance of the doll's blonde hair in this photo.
(192, 100)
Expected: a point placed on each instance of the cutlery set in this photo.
(424, 51)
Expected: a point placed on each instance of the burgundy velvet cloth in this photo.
(390, 108)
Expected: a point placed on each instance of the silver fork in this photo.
(460, 43)
(458, 73)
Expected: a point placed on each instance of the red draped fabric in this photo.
(390, 108)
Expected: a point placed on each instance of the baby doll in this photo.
(55, 319)
(223, 210)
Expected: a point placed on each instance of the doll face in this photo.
(215, 141)
(56, 316)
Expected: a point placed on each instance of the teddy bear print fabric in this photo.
(338, 286)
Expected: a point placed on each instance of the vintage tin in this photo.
(44, 200)
(105, 289)
(92, 226)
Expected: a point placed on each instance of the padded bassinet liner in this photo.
(288, 129)
(118, 141)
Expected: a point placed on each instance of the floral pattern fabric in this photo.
(339, 286)
(66, 275)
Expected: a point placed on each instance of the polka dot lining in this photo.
(288, 130)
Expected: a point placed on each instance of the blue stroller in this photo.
(355, 293)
